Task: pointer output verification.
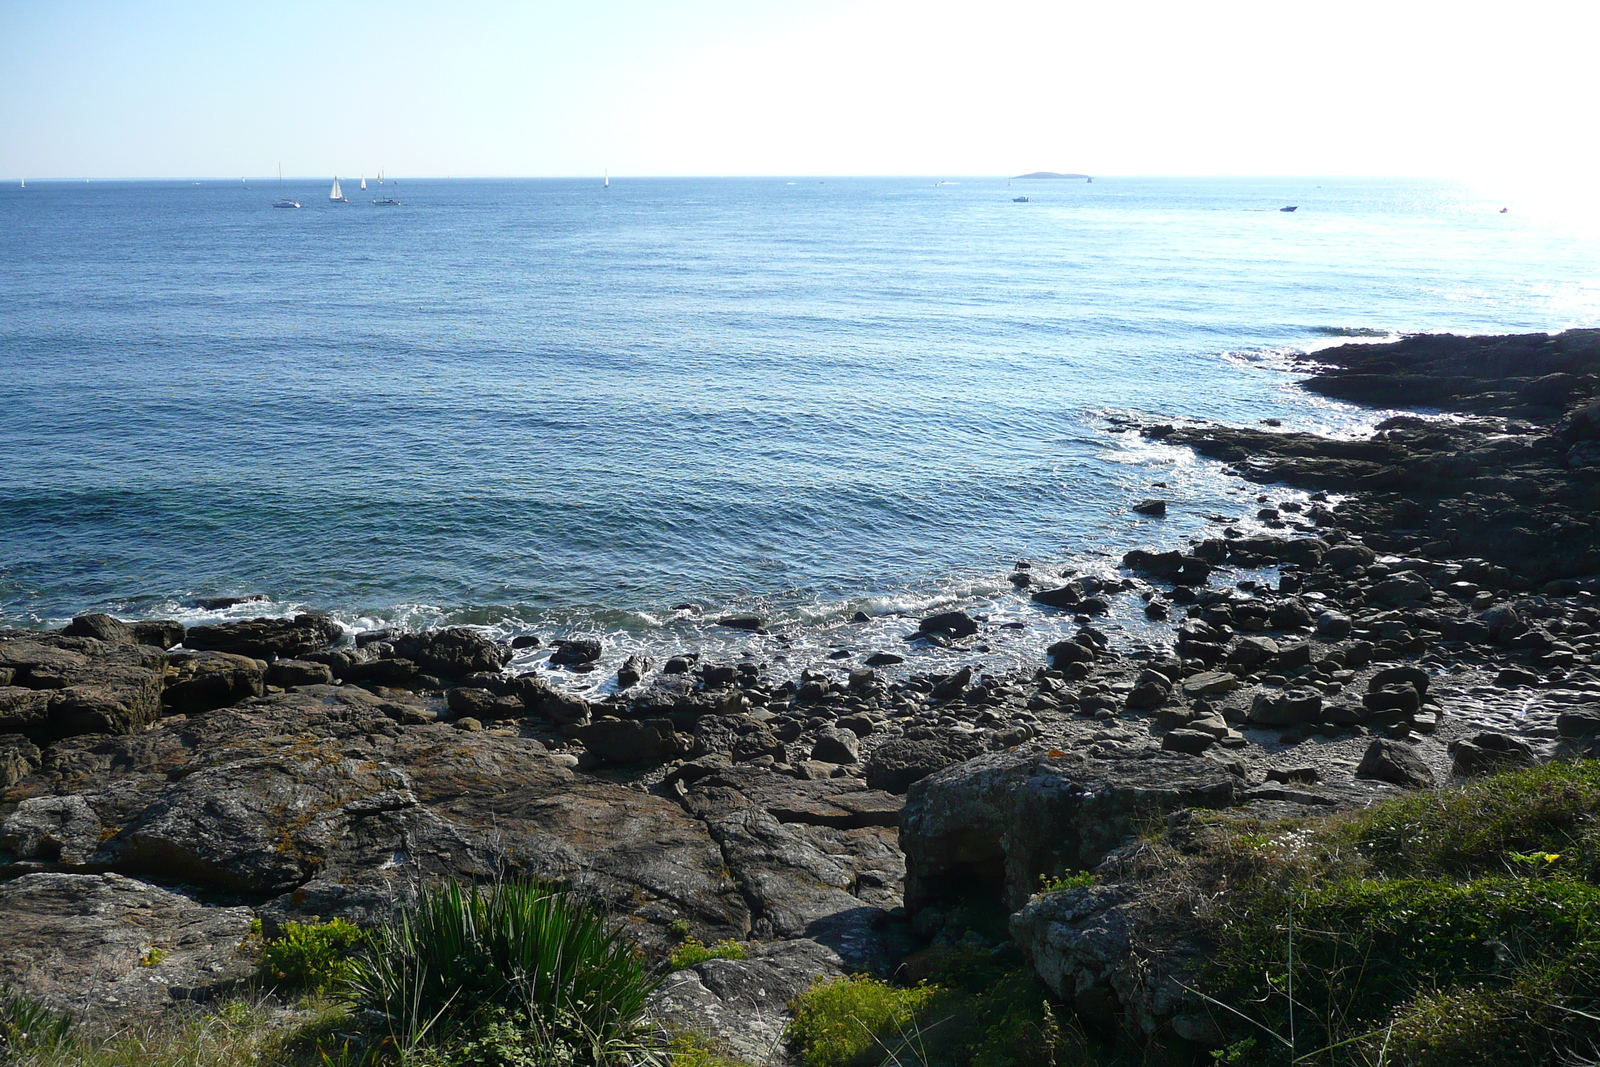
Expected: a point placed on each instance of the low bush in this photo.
(315, 957)
(840, 1022)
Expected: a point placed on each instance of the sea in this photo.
(557, 408)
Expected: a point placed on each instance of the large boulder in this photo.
(204, 681)
(265, 638)
(102, 627)
(454, 652)
(624, 741)
(63, 685)
(1004, 819)
(1394, 762)
(103, 946)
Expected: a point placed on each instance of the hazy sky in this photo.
(157, 88)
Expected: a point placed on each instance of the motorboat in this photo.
(1019, 200)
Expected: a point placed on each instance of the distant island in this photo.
(1051, 174)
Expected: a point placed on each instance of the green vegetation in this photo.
(515, 974)
(977, 1011)
(314, 957)
(692, 952)
(1076, 880)
(1450, 928)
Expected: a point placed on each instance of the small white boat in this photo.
(363, 183)
(337, 194)
(283, 201)
(24, 182)
(608, 179)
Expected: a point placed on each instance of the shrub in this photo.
(517, 955)
(839, 1022)
(692, 952)
(315, 957)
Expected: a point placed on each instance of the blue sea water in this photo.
(548, 406)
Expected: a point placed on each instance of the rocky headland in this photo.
(1430, 615)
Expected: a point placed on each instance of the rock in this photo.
(836, 746)
(1004, 819)
(1290, 707)
(265, 638)
(159, 633)
(1065, 653)
(1579, 722)
(1344, 557)
(1415, 677)
(738, 737)
(454, 652)
(1516, 678)
(1394, 762)
(522, 641)
(1150, 690)
(104, 947)
(895, 764)
(1289, 614)
(102, 627)
(1152, 507)
(883, 659)
(292, 672)
(744, 1004)
(575, 652)
(1490, 753)
(222, 603)
(949, 623)
(1065, 597)
(633, 741)
(741, 622)
(19, 758)
(542, 698)
(633, 668)
(952, 685)
(1306, 775)
(1209, 684)
(199, 682)
(63, 686)
(1251, 651)
(1191, 742)
(1334, 626)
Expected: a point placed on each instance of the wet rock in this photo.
(453, 652)
(265, 638)
(883, 659)
(222, 603)
(1004, 819)
(1064, 653)
(949, 623)
(632, 670)
(103, 946)
(1065, 597)
(1334, 626)
(542, 698)
(575, 651)
(1153, 507)
(159, 633)
(1394, 762)
(741, 622)
(952, 685)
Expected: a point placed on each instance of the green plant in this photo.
(27, 1024)
(517, 954)
(1075, 880)
(315, 957)
(841, 1021)
(692, 952)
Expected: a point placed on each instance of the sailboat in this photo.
(387, 201)
(363, 183)
(283, 201)
(608, 179)
(337, 194)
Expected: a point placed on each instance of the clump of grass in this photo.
(1075, 880)
(28, 1025)
(841, 1022)
(692, 951)
(314, 957)
(516, 973)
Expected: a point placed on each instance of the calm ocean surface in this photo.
(547, 406)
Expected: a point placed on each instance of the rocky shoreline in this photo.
(1429, 614)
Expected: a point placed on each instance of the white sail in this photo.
(363, 181)
(337, 193)
(608, 179)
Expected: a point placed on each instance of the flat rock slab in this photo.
(998, 822)
(102, 945)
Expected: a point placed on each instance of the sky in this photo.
(179, 88)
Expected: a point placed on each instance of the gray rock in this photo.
(624, 741)
(104, 947)
(1490, 753)
(1290, 707)
(161, 633)
(836, 746)
(1334, 626)
(1190, 742)
(1394, 762)
(542, 698)
(454, 652)
(291, 672)
(1152, 507)
(575, 652)
(895, 764)
(199, 682)
(1006, 818)
(1579, 722)
(101, 627)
